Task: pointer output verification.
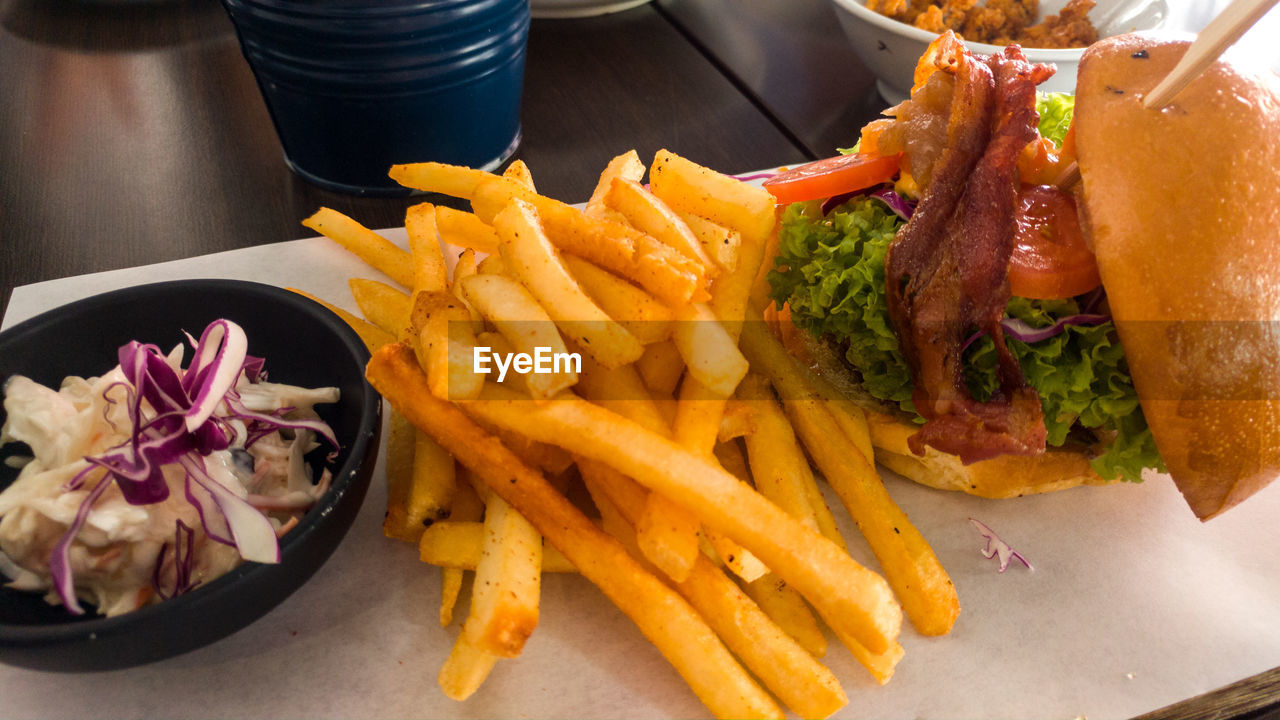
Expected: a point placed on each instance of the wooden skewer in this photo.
(1221, 33)
(1217, 36)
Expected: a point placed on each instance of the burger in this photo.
(1035, 291)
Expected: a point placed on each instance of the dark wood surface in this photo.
(134, 133)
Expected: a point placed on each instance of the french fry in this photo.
(667, 534)
(443, 338)
(785, 667)
(606, 243)
(528, 252)
(429, 271)
(450, 587)
(434, 482)
(375, 250)
(709, 350)
(778, 465)
(611, 245)
(420, 481)
(650, 215)
(466, 507)
(710, 353)
(627, 166)
(922, 585)
(718, 242)
(702, 404)
(643, 315)
(695, 426)
(373, 336)
(880, 664)
(505, 595)
(852, 419)
(465, 670)
(466, 265)
(463, 229)
(740, 561)
(779, 600)
(699, 411)
(737, 421)
(458, 545)
(667, 620)
(383, 305)
(547, 458)
(519, 172)
(623, 391)
(523, 322)
(689, 187)
(788, 609)
(492, 265)
(846, 594)
(661, 367)
(398, 524)
(453, 180)
(448, 345)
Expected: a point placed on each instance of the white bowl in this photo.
(891, 48)
(580, 8)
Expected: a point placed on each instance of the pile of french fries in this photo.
(691, 429)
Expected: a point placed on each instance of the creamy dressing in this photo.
(126, 556)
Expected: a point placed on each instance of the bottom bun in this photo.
(1001, 477)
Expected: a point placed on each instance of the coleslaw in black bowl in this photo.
(301, 344)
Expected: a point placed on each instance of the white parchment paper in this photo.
(1133, 604)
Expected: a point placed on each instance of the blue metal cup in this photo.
(356, 86)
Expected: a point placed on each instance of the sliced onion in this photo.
(997, 547)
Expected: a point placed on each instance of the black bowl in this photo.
(303, 344)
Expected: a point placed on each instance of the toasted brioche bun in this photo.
(1001, 477)
(1182, 206)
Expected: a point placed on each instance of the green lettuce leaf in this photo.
(1082, 377)
(830, 270)
(1055, 114)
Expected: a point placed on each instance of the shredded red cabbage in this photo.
(183, 558)
(755, 176)
(897, 204)
(900, 206)
(1020, 330)
(173, 418)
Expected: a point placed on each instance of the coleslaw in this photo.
(152, 479)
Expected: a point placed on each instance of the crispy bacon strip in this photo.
(947, 270)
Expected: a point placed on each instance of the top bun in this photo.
(1182, 205)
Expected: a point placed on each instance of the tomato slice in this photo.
(832, 176)
(1050, 257)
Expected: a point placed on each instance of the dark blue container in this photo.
(356, 86)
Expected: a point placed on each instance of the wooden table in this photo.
(132, 133)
